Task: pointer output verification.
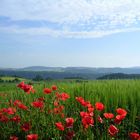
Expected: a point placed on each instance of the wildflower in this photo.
(121, 111)
(17, 102)
(26, 126)
(81, 100)
(38, 104)
(118, 119)
(113, 130)
(16, 119)
(32, 137)
(86, 121)
(4, 118)
(13, 138)
(56, 103)
(21, 85)
(100, 120)
(27, 88)
(9, 110)
(69, 122)
(54, 87)
(59, 126)
(83, 114)
(64, 96)
(47, 90)
(70, 135)
(121, 115)
(134, 136)
(62, 115)
(99, 106)
(90, 109)
(41, 99)
(108, 115)
(22, 106)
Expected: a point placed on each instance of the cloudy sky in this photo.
(95, 33)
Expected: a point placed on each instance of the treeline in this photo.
(49, 75)
(120, 76)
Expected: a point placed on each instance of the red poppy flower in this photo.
(83, 102)
(61, 108)
(59, 126)
(23, 107)
(21, 85)
(118, 119)
(17, 102)
(90, 109)
(80, 99)
(89, 105)
(113, 130)
(62, 115)
(69, 122)
(121, 111)
(84, 114)
(16, 119)
(99, 106)
(58, 109)
(100, 120)
(108, 115)
(38, 104)
(134, 136)
(9, 110)
(4, 118)
(26, 126)
(32, 137)
(47, 90)
(64, 96)
(28, 88)
(70, 135)
(13, 138)
(56, 103)
(54, 87)
(20, 105)
(86, 121)
(41, 99)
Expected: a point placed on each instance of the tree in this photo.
(38, 78)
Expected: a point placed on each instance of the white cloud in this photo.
(61, 33)
(78, 18)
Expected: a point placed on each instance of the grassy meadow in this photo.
(112, 93)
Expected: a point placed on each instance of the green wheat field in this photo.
(112, 94)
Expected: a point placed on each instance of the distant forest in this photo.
(49, 75)
(120, 76)
(46, 75)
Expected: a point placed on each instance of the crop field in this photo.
(69, 110)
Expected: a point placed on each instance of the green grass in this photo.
(7, 78)
(112, 93)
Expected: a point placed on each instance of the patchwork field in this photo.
(55, 110)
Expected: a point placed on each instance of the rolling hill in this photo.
(66, 72)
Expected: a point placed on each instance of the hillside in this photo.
(68, 72)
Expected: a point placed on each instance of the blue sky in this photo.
(93, 33)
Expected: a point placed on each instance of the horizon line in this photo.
(69, 67)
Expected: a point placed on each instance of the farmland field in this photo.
(46, 122)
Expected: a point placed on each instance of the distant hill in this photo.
(66, 72)
(41, 68)
(119, 76)
(131, 70)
